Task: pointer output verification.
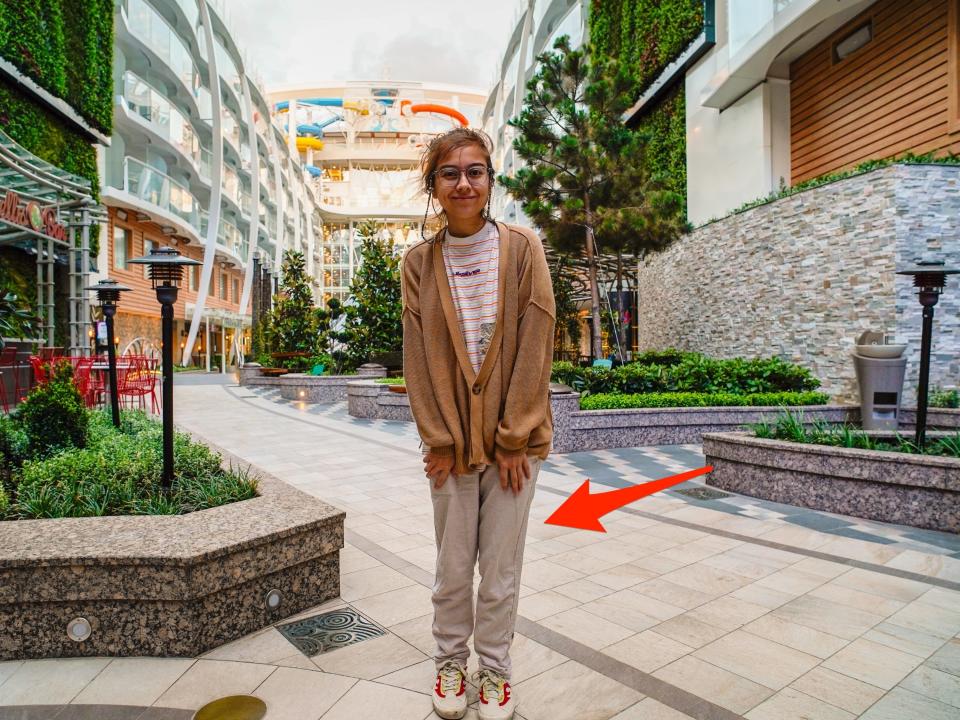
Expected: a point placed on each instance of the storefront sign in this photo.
(31, 216)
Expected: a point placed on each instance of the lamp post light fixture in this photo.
(166, 270)
(929, 277)
(108, 295)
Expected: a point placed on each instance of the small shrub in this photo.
(4, 502)
(53, 415)
(390, 381)
(940, 398)
(13, 451)
(118, 473)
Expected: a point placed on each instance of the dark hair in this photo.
(444, 144)
(439, 148)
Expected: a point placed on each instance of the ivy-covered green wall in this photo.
(66, 46)
(646, 36)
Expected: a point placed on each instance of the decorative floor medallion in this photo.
(329, 631)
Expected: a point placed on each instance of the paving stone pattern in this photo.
(684, 608)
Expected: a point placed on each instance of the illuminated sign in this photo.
(30, 216)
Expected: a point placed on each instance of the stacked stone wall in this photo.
(803, 276)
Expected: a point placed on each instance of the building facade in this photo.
(196, 164)
(361, 144)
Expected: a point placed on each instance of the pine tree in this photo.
(293, 319)
(585, 182)
(373, 323)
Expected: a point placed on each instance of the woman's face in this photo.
(462, 183)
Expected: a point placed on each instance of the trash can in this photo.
(880, 369)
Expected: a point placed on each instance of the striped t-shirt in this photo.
(472, 266)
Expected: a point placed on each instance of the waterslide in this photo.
(309, 134)
(408, 108)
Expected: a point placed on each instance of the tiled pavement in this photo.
(709, 609)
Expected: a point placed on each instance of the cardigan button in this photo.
(477, 389)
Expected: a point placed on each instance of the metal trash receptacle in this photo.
(880, 371)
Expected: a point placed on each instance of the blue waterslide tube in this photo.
(314, 170)
(316, 129)
(319, 102)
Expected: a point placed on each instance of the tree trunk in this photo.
(618, 321)
(597, 338)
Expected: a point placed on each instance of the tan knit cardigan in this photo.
(506, 405)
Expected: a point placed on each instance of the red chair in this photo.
(140, 381)
(41, 370)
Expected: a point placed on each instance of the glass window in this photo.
(121, 247)
(223, 286)
(236, 290)
(193, 277)
(148, 245)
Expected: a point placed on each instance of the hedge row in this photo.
(616, 401)
(688, 372)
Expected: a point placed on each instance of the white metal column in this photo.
(216, 181)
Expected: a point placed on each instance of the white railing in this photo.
(159, 189)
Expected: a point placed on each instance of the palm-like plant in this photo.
(16, 321)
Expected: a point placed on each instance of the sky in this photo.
(301, 42)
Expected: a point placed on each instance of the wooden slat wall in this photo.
(142, 300)
(890, 97)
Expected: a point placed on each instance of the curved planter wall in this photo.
(166, 585)
(921, 491)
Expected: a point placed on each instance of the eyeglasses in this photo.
(476, 175)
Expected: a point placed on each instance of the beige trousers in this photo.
(475, 518)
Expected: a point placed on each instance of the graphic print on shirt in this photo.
(472, 265)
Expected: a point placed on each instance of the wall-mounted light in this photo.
(122, 215)
(853, 42)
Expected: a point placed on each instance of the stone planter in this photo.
(578, 430)
(166, 585)
(917, 490)
(369, 399)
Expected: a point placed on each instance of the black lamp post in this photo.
(929, 277)
(108, 294)
(166, 269)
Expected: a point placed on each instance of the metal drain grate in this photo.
(703, 493)
(329, 631)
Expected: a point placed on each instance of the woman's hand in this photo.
(438, 468)
(514, 470)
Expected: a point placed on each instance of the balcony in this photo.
(150, 28)
(166, 120)
(149, 185)
(235, 242)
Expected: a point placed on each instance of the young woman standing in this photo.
(478, 319)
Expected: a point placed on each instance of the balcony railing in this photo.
(159, 189)
(152, 29)
(231, 238)
(165, 118)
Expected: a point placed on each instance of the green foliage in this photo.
(390, 381)
(864, 167)
(13, 451)
(792, 426)
(614, 401)
(16, 318)
(585, 181)
(53, 415)
(372, 320)
(118, 473)
(4, 503)
(674, 371)
(66, 46)
(645, 36)
(293, 319)
(940, 398)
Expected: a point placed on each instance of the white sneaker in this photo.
(450, 691)
(496, 696)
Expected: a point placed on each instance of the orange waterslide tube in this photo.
(439, 109)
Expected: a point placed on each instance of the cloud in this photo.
(299, 42)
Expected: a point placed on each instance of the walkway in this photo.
(686, 608)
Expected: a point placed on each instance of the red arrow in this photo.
(583, 511)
